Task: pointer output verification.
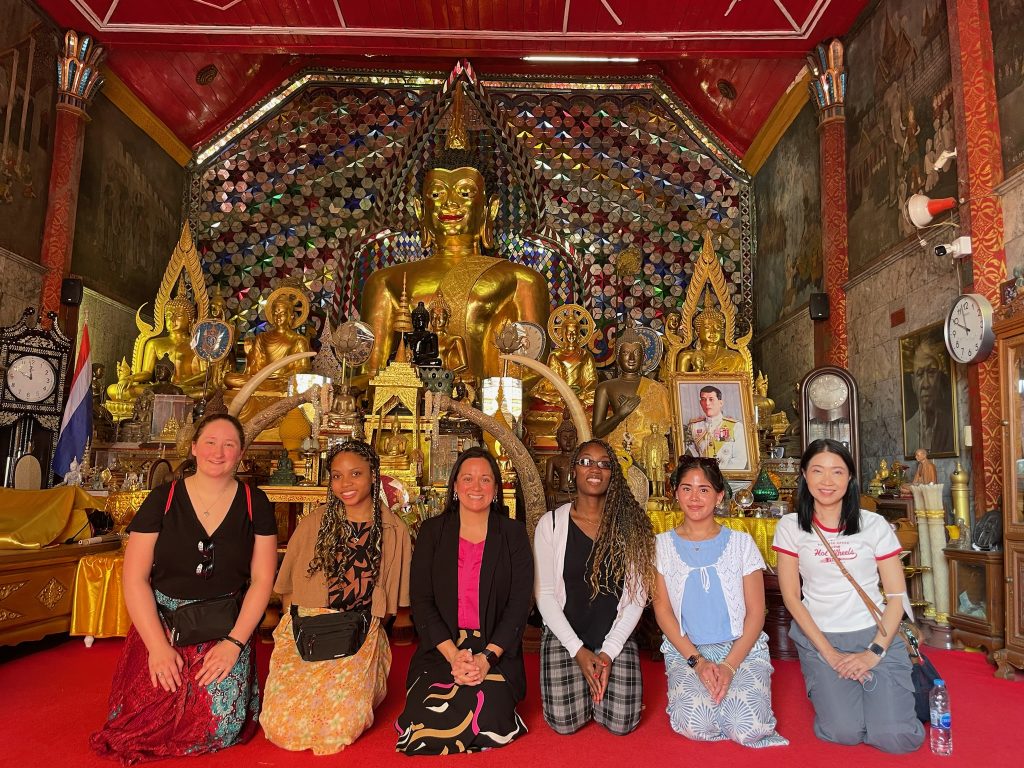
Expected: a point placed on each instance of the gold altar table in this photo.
(761, 529)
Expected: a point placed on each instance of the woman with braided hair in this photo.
(595, 567)
(351, 554)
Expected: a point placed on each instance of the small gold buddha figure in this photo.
(451, 348)
(655, 456)
(176, 345)
(394, 453)
(456, 218)
(286, 310)
(764, 406)
(636, 402)
(711, 354)
(573, 363)
(673, 345)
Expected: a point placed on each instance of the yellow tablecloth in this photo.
(35, 519)
(98, 607)
(761, 529)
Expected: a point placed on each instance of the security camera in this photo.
(958, 249)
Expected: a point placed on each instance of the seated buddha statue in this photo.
(636, 402)
(421, 341)
(456, 216)
(451, 348)
(673, 345)
(176, 345)
(286, 310)
(573, 363)
(711, 355)
(394, 453)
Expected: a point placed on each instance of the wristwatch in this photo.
(878, 650)
(491, 656)
(693, 660)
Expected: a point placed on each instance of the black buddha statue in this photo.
(421, 341)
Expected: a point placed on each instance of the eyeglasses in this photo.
(586, 461)
(205, 567)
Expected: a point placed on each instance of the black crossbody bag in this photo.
(327, 636)
(203, 620)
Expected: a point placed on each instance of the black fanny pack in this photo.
(203, 620)
(327, 636)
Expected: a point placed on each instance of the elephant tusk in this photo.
(262, 375)
(572, 402)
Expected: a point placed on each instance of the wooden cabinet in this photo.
(1010, 351)
(976, 598)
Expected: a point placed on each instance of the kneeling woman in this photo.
(198, 542)
(710, 605)
(471, 593)
(595, 568)
(351, 555)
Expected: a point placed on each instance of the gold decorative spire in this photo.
(403, 316)
(457, 138)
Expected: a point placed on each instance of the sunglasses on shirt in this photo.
(205, 567)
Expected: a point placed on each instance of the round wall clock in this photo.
(31, 378)
(968, 330)
(828, 391)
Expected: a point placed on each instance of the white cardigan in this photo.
(549, 540)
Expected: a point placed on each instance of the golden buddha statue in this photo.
(452, 348)
(655, 456)
(636, 401)
(673, 345)
(456, 218)
(571, 361)
(286, 310)
(711, 355)
(394, 452)
(176, 345)
(764, 406)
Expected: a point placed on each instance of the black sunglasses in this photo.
(205, 567)
(586, 461)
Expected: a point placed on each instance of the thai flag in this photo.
(76, 426)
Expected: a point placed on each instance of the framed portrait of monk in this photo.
(928, 386)
(714, 417)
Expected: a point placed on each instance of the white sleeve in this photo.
(547, 577)
(752, 560)
(626, 619)
(785, 536)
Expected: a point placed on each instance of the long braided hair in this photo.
(336, 531)
(625, 538)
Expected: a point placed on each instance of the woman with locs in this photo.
(595, 568)
(351, 555)
(198, 539)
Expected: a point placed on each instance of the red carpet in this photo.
(53, 694)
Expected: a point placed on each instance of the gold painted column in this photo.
(979, 171)
(828, 94)
(78, 80)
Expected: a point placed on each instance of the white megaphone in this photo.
(922, 210)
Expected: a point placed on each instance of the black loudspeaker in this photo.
(819, 306)
(71, 291)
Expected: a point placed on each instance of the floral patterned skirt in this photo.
(442, 717)
(323, 705)
(146, 723)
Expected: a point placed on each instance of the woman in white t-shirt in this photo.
(857, 675)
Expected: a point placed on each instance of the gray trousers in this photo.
(879, 713)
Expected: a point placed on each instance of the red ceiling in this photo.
(157, 47)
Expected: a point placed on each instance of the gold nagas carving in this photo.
(52, 593)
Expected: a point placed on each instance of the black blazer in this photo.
(506, 593)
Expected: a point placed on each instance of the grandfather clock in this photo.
(829, 408)
(35, 363)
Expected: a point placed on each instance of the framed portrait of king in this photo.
(714, 417)
(928, 386)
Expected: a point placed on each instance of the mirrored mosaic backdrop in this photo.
(288, 193)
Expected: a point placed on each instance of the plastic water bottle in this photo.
(941, 733)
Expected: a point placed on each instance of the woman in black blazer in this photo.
(472, 582)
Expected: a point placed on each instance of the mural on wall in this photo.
(787, 195)
(899, 119)
(1008, 51)
(129, 208)
(27, 52)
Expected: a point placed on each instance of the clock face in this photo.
(969, 335)
(31, 378)
(828, 391)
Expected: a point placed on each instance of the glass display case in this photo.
(829, 408)
(1010, 351)
(976, 598)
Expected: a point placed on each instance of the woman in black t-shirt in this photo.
(203, 537)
